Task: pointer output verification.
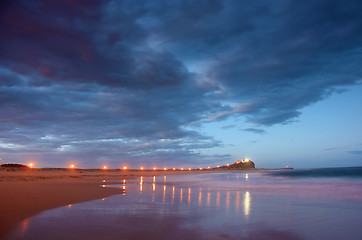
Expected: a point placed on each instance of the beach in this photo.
(93, 204)
(27, 192)
(208, 204)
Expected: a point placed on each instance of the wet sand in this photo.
(25, 193)
(228, 205)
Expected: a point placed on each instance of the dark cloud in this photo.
(356, 152)
(254, 130)
(106, 80)
(227, 126)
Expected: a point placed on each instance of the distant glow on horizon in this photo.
(164, 168)
(218, 165)
(124, 168)
(30, 165)
(141, 168)
(72, 166)
(154, 168)
(189, 169)
(174, 169)
(208, 167)
(104, 167)
(182, 169)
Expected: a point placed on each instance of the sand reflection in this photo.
(189, 197)
(238, 202)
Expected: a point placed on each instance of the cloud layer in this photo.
(109, 81)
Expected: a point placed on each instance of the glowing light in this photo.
(72, 166)
(124, 181)
(153, 187)
(189, 169)
(165, 169)
(247, 201)
(218, 165)
(246, 176)
(200, 196)
(104, 181)
(227, 164)
(182, 169)
(124, 168)
(200, 168)
(141, 184)
(208, 167)
(164, 193)
(30, 165)
(103, 199)
(189, 196)
(208, 199)
(227, 203)
(154, 168)
(141, 168)
(154, 179)
(69, 205)
(103, 185)
(247, 160)
(174, 169)
(181, 195)
(104, 167)
(218, 199)
(237, 200)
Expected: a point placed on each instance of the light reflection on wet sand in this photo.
(218, 214)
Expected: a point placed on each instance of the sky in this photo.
(181, 83)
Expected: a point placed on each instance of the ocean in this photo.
(273, 205)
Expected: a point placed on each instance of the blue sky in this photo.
(181, 83)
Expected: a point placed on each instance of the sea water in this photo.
(288, 204)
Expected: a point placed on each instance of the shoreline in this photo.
(28, 192)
